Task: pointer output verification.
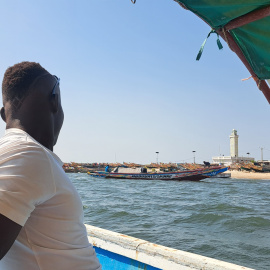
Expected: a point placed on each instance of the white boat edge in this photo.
(152, 254)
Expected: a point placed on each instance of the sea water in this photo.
(225, 219)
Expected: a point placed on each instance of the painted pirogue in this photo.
(191, 175)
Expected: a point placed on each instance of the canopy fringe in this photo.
(202, 47)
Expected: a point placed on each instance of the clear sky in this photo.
(130, 83)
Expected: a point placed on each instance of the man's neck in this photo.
(39, 134)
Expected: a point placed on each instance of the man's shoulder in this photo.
(19, 142)
(25, 157)
(21, 149)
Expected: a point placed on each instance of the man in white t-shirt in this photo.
(41, 214)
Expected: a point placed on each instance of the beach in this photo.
(249, 175)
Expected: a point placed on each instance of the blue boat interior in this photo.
(113, 261)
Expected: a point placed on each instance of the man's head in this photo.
(31, 99)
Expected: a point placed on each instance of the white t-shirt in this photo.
(36, 193)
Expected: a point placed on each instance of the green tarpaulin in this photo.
(253, 38)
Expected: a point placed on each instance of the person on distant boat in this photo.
(41, 214)
(107, 168)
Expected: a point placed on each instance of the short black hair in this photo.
(18, 79)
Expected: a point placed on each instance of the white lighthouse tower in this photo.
(234, 143)
(233, 158)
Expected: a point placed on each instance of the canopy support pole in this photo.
(262, 85)
(248, 18)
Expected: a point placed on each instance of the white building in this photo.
(233, 158)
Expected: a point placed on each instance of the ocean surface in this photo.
(226, 219)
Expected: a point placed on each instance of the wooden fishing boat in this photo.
(216, 173)
(193, 175)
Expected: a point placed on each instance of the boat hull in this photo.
(195, 175)
(214, 173)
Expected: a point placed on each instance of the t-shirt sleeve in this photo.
(26, 180)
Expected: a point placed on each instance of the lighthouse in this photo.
(234, 157)
(234, 143)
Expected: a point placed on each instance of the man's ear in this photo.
(55, 103)
(3, 115)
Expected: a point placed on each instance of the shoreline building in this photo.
(233, 158)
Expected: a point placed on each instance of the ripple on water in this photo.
(248, 224)
(205, 219)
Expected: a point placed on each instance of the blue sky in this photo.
(130, 83)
